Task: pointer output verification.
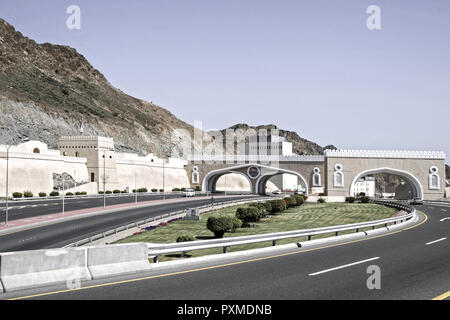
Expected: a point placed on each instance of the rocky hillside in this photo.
(48, 90)
(299, 145)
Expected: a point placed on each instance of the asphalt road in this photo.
(33, 208)
(60, 234)
(414, 264)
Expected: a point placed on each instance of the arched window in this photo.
(36, 150)
(316, 178)
(195, 175)
(338, 176)
(92, 177)
(433, 179)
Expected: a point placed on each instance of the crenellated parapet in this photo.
(387, 154)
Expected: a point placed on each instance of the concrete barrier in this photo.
(28, 269)
(110, 260)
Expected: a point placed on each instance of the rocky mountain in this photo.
(48, 90)
(299, 145)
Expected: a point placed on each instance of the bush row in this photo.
(255, 211)
(29, 194)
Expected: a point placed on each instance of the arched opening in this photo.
(387, 183)
(92, 177)
(283, 181)
(233, 182)
(36, 150)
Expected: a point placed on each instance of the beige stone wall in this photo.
(150, 176)
(34, 172)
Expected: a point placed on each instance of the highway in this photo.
(33, 208)
(62, 233)
(414, 264)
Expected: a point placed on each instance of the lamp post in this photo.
(164, 180)
(104, 172)
(7, 180)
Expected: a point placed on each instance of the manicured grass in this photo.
(306, 216)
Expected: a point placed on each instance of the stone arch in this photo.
(410, 178)
(262, 180)
(210, 180)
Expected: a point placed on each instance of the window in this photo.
(338, 176)
(433, 179)
(92, 177)
(36, 150)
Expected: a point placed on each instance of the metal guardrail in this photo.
(155, 250)
(153, 219)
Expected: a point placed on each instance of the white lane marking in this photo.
(344, 266)
(448, 218)
(438, 240)
(444, 210)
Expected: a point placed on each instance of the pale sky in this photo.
(311, 66)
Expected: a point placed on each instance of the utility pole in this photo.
(104, 178)
(7, 178)
(164, 181)
(63, 188)
(135, 188)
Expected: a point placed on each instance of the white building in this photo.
(365, 186)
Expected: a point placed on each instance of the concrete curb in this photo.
(106, 261)
(30, 269)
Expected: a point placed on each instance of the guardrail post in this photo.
(337, 233)
(225, 249)
(309, 237)
(155, 259)
(357, 230)
(274, 243)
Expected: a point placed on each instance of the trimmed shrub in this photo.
(68, 194)
(350, 199)
(219, 225)
(154, 190)
(183, 189)
(321, 200)
(197, 188)
(291, 202)
(108, 192)
(365, 199)
(267, 206)
(54, 194)
(28, 194)
(83, 193)
(176, 189)
(116, 191)
(278, 206)
(42, 194)
(300, 200)
(250, 214)
(161, 190)
(237, 223)
(101, 192)
(17, 195)
(185, 238)
(142, 190)
(123, 191)
(260, 207)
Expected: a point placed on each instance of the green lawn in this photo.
(306, 216)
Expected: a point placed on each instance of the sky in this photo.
(310, 66)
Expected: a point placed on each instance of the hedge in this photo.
(219, 225)
(42, 194)
(54, 194)
(350, 199)
(278, 206)
(250, 214)
(365, 199)
(17, 195)
(185, 238)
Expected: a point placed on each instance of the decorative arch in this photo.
(210, 180)
(262, 180)
(413, 181)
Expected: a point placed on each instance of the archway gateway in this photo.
(256, 174)
(333, 174)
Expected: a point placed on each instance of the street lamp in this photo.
(104, 173)
(164, 180)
